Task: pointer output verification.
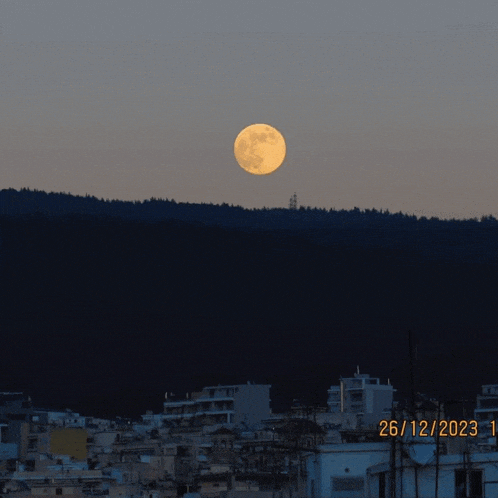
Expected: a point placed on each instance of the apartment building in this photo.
(486, 414)
(362, 395)
(243, 404)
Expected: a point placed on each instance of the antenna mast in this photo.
(293, 202)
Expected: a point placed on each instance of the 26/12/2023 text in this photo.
(426, 428)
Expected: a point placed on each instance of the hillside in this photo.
(103, 313)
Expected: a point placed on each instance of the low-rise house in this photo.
(61, 476)
(8, 451)
(66, 418)
(341, 469)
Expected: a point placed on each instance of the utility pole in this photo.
(437, 448)
(465, 473)
(392, 460)
(412, 388)
(412, 376)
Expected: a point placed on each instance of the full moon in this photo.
(259, 149)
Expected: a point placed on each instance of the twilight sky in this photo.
(383, 103)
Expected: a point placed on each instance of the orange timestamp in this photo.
(426, 428)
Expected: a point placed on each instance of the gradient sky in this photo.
(384, 104)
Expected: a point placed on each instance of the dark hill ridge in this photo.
(439, 240)
(104, 314)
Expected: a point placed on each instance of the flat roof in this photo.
(354, 447)
(235, 385)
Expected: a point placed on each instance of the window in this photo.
(16, 416)
(475, 483)
(58, 491)
(468, 483)
(347, 484)
(489, 403)
(350, 487)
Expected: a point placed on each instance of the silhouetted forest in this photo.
(108, 304)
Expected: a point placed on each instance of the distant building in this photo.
(243, 404)
(486, 412)
(66, 418)
(15, 415)
(54, 477)
(69, 441)
(362, 395)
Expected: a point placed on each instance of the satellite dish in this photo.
(421, 449)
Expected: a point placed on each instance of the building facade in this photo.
(243, 404)
(486, 413)
(381, 470)
(362, 395)
(340, 470)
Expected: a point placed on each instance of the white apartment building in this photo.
(243, 404)
(362, 395)
(486, 413)
(366, 470)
